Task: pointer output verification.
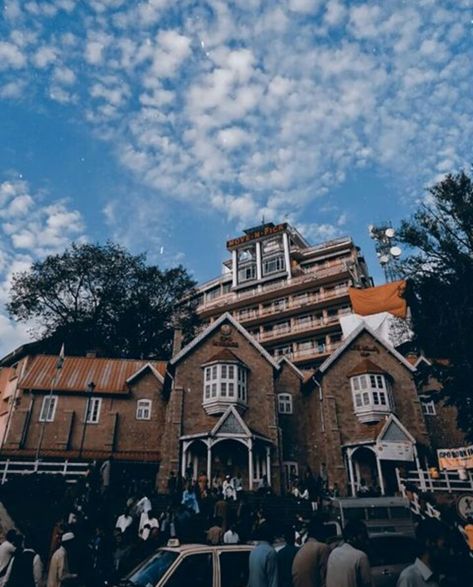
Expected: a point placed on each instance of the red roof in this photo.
(108, 375)
(365, 366)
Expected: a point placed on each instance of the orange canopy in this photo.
(384, 298)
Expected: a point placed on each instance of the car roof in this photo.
(195, 548)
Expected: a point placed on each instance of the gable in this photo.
(231, 423)
(394, 431)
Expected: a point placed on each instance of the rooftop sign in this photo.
(259, 232)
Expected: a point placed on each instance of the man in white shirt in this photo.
(231, 536)
(348, 564)
(431, 536)
(124, 521)
(7, 549)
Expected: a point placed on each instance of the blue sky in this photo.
(170, 126)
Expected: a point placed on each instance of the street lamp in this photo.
(90, 391)
(387, 251)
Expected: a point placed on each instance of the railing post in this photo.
(421, 480)
(5, 471)
(36, 466)
(64, 469)
(447, 481)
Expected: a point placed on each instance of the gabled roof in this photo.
(376, 432)
(353, 336)
(231, 415)
(224, 355)
(366, 366)
(393, 423)
(297, 371)
(147, 367)
(108, 375)
(208, 331)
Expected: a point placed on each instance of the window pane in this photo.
(363, 382)
(197, 566)
(380, 381)
(234, 569)
(231, 373)
(375, 398)
(207, 373)
(224, 371)
(231, 390)
(214, 372)
(356, 383)
(214, 390)
(358, 401)
(366, 398)
(223, 389)
(382, 398)
(207, 391)
(372, 381)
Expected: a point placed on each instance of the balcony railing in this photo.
(307, 354)
(308, 276)
(306, 327)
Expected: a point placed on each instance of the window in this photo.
(247, 273)
(234, 568)
(428, 407)
(272, 245)
(154, 569)
(224, 384)
(273, 264)
(197, 566)
(371, 396)
(48, 408)
(285, 403)
(143, 409)
(92, 414)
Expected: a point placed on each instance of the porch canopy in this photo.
(223, 446)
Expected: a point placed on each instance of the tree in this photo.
(102, 297)
(440, 292)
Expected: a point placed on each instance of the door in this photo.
(195, 569)
(234, 568)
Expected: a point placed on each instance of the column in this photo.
(259, 268)
(350, 471)
(209, 461)
(250, 465)
(234, 268)
(268, 464)
(195, 466)
(183, 459)
(380, 475)
(287, 256)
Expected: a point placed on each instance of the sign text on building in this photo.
(266, 231)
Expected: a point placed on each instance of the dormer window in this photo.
(371, 396)
(225, 383)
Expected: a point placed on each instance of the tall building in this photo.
(288, 294)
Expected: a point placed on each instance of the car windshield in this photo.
(392, 550)
(152, 570)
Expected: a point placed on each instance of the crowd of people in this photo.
(106, 530)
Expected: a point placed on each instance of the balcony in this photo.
(296, 328)
(310, 275)
(310, 354)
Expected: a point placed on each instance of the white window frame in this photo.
(285, 403)
(47, 414)
(93, 408)
(371, 394)
(274, 264)
(225, 382)
(428, 407)
(143, 409)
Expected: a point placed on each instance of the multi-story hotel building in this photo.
(288, 294)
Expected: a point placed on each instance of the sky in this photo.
(170, 126)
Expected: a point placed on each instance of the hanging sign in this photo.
(453, 459)
(394, 451)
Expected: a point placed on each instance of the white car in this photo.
(193, 564)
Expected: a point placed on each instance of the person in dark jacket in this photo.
(26, 568)
(286, 558)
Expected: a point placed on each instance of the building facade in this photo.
(288, 294)
(224, 405)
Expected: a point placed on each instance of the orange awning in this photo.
(384, 298)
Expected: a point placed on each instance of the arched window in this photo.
(284, 403)
(224, 384)
(371, 396)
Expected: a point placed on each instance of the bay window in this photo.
(224, 384)
(371, 396)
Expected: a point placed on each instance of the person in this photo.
(143, 505)
(431, 536)
(203, 483)
(263, 562)
(59, 567)
(310, 563)
(7, 549)
(348, 565)
(25, 568)
(228, 489)
(221, 511)
(231, 536)
(122, 555)
(363, 489)
(286, 558)
(148, 521)
(238, 484)
(215, 532)
(189, 498)
(124, 521)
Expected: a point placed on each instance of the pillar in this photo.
(259, 266)
(183, 460)
(268, 464)
(350, 471)
(287, 256)
(380, 474)
(209, 461)
(250, 465)
(234, 268)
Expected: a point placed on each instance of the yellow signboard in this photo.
(453, 459)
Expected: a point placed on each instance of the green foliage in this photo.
(102, 297)
(440, 293)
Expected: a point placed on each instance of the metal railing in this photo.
(307, 327)
(446, 481)
(72, 471)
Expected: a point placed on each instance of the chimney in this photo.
(177, 340)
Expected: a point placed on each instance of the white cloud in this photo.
(44, 57)
(11, 56)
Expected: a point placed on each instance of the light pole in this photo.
(90, 391)
(387, 251)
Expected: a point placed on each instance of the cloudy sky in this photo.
(169, 126)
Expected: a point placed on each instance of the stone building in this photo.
(224, 405)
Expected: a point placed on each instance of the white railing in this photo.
(307, 327)
(72, 471)
(447, 481)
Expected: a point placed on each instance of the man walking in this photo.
(286, 558)
(310, 563)
(348, 565)
(59, 567)
(263, 560)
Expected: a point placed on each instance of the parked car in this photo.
(193, 564)
(389, 555)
